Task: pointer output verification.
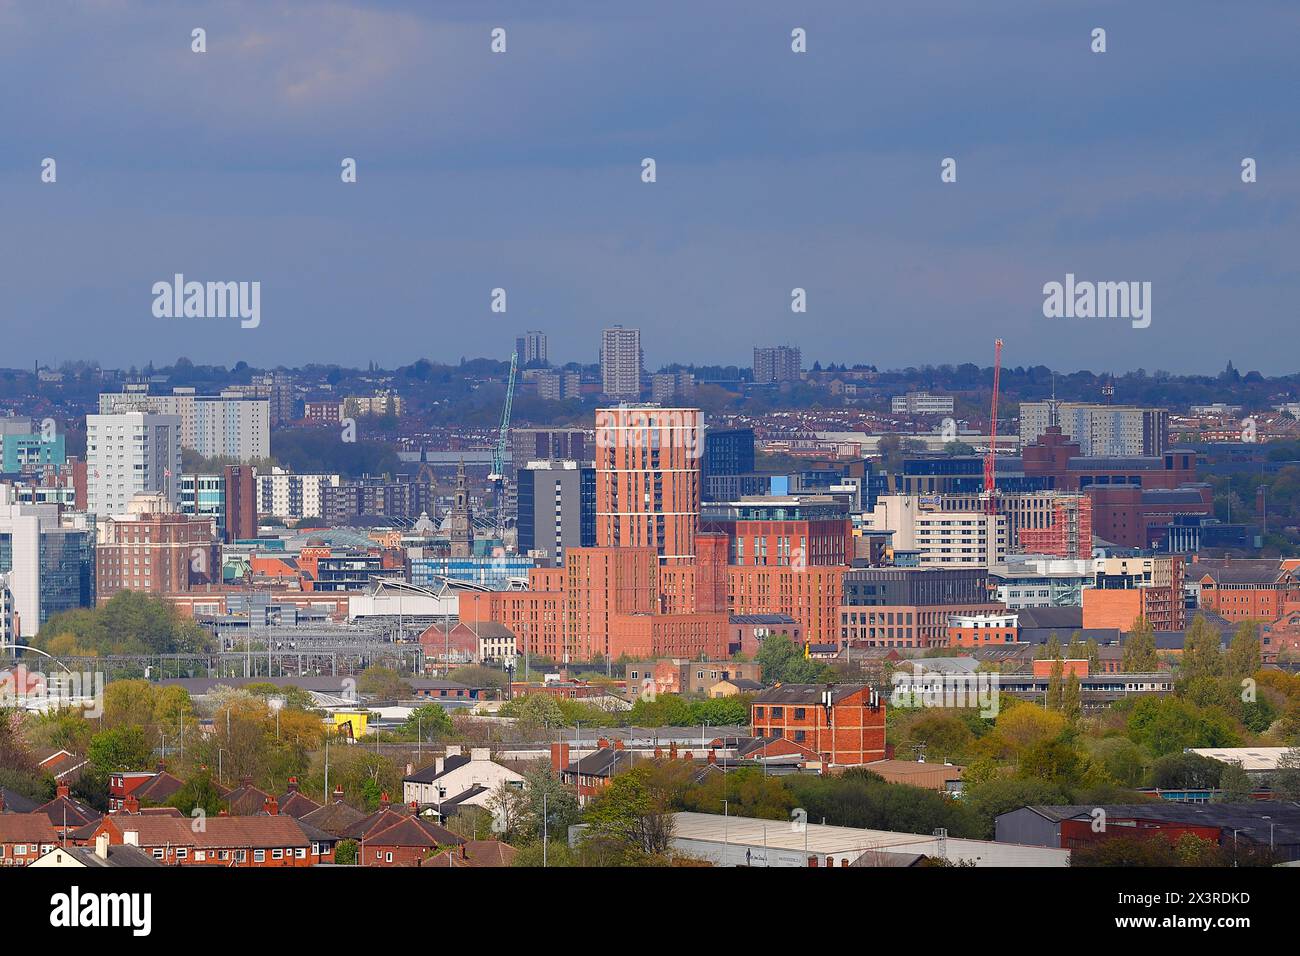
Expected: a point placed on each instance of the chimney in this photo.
(713, 756)
(384, 801)
(410, 769)
(812, 862)
(101, 846)
(61, 790)
(245, 781)
(844, 861)
(161, 767)
(602, 742)
(438, 765)
(293, 784)
(453, 750)
(464, 853)
(131, 804)
(559, 757)
(131, 837)
(618, 744)
(480, 754)
(830, 861)
(272, 806)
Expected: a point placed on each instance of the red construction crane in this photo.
(990, 460)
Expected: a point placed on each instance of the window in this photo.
(388, 858)
(259, 856)
(798, 713)
(778, 712)
(277, 854)
(157, 854)
(182, 853)
(241, 856)
(300, 853)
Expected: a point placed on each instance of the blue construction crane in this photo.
(499, 457)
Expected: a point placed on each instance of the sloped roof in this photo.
(431, 772)
(474, 853)
(805, 693)
(65, 811)
(26, 828)
(159, 789)
(333, 818)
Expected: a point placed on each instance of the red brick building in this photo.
(844, 723)
(253, 841)
(1250, 589)
(156, 554)
(25, 837)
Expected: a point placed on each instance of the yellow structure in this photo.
(350, 722)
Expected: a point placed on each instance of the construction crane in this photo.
(990, 459)
(499, 456)
(498, 477)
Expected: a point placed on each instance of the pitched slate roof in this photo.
(334, 818)
(26, 828)
(12, 802)
(246, 799)
(431, 773)
(65, 811)
(390, 828)
(158, 789)
(251, 832)
(118, 856)
(297, 804)
(1258, 571)
(474, 853)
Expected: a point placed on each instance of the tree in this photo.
(1243, 657)
(383, 682)
(998, 795)
(122, 748)
(1186, 771)
(1234, 783)
(1072, 698)
(345, 853)
(782, 662)
(534, 710)
(1202, 651)
(1285, 780)
(1139, 656)
(551, 802)
(198, 792)
(1050, 651)
(428, 723)
(509, 807)
(634, 812)
(1166, 725)
(1056, 686)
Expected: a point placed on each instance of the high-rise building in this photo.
(774, 364)
(531, 347)
(287, 495)
(131, 453)
(229, 425)
(23, 448)
(47, 557)
(557, 508)
(648, 479)
(155, 552)
(1125, 431)
(621, 361)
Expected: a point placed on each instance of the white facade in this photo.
(961, 539)
(1100, 430)
(478, 771)
(922, 403)
(286, 495)
(620, 362)
(229, 425)
(131, 453)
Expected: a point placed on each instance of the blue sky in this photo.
(775, 170)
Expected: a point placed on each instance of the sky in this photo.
(775, 170)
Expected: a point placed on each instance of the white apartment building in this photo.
(922, 403)
(131, 453)
(1101, 430)
(621, 362)
(285, 495)
(229, 425)
(961, 539)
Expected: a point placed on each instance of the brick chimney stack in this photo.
(559, 757)
(338, 794)
(384, 801)
(61, 790)
(293, 784)
(272, 806)
(131, 804)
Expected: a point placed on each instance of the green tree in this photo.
(345, 853)
(1243, 657)
(1285, 780)
(198, 792)
(122, 748)
(634, 813)
(1056, 686)
(1202, 651)
(1072, 698)
(1234, 783)
(428, 723)
(1139, 655)
(783, 662)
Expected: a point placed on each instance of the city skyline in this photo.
(775, 171)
